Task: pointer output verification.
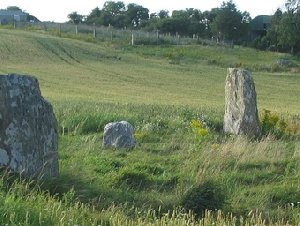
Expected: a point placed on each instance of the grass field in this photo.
(165, 92)
(194, 76)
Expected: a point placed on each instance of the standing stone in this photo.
(28, 128)
(119, 135)
(241, 116)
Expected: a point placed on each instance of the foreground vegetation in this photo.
(183, 163)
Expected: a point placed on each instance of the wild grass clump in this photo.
(6, 26)
(271, 123)
(208, 195)
(293, 126)
(134, 180)
(275, 125)
(24, 204)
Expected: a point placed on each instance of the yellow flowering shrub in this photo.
(199, 128)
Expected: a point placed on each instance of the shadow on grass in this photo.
(99, 195)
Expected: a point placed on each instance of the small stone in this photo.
(241, 115)
(119, 135)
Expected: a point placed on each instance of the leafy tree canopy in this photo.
(14, 8)
(75, 17)
(230, 23)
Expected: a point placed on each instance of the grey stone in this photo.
(28, 128)
(241, 116)
(119, 135)
(284, 62)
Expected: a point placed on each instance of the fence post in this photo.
(157, 37)
(76, 29)
(176, 38)
(94, 31)
(132, 38)
(110, 32)
(59, 30)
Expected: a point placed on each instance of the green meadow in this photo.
(185, 170)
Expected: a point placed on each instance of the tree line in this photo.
(224, 23)
(284, 31)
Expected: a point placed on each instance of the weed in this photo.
(271, 123)
(134, 179)
(208, 195)
(199, 129)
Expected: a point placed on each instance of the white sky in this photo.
(57, 10)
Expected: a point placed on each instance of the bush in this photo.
(134, 180)
(271, 123)
(206, 196)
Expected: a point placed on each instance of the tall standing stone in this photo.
(28, 128)
(241, 116)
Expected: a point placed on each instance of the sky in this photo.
(57, 10)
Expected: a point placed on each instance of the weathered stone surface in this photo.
(241, 116)
(119, 135)
(28, 128)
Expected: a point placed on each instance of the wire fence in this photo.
(133, 37)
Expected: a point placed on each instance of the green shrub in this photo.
(206, 196)
(174, 58)
(285, 195)
(272, 124)
(134, 180)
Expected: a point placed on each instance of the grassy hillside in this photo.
(193, 76)
(174, 97)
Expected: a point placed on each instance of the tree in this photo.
(230, 23)
(289, 30)
(113, 13)
(272, 32)
(162, 14)
(114, 8)
(94, 17)
(75, 17)
(285, 27)
(292, 6)
(177, 23)
(184, 22)
(135, 14)
(197, 24)
(208, 18)
(14, 8)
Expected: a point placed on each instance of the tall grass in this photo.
(255, 175)
(23, 204)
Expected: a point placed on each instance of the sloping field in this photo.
(194, 76)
